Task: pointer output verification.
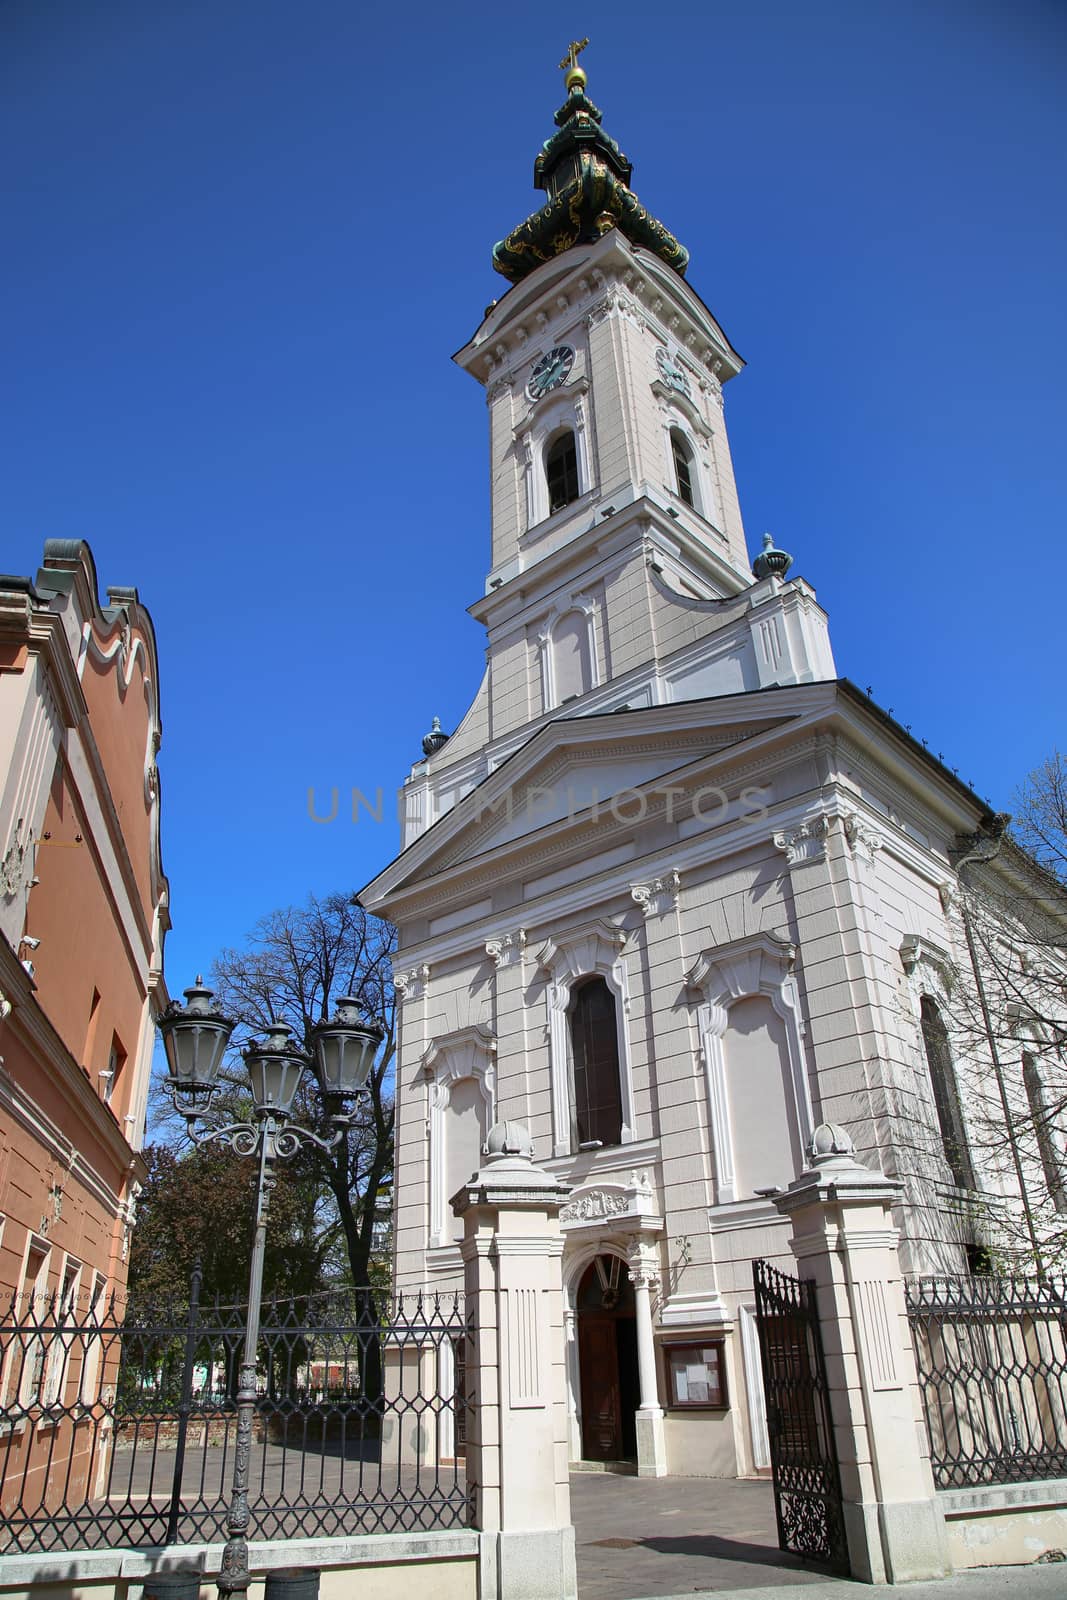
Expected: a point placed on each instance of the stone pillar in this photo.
(844, 1239)
(517, 1435)
(651, 1445)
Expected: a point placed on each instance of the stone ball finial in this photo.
(831, 1139)
(771, 562)
(508, 1139)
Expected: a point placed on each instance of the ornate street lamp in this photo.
(195, 1037)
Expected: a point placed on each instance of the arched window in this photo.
(561, 471)
(683, 466)
(946, 1094)
(1044, 1132)
(595, 1059)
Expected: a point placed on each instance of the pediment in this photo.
(585, 771)
(578, 784)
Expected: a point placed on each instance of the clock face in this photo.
(674, 374)
(550, 371)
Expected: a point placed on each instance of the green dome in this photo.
(587, 179)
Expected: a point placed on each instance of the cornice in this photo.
(24, 1110)
(117, 841)
(932, 790)
(642, 525)
(610, 885)
(587, 276)
(695, 859)
(46, 636)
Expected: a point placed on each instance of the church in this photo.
(673, 893)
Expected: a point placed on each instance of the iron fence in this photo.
(118, 1424)
(992, 1362)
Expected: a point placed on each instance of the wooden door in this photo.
(598, 1362)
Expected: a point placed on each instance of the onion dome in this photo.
(435, 739)
(771, 562)
(587, 179)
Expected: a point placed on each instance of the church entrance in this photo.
(607, 1361)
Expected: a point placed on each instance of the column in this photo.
(651, 1445)
(845, 1240)
(570, 1333)
(517, 1437)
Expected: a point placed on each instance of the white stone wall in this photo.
(807, 906)
(755, 903)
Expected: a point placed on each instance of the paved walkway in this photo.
(672, 1538)
(642, 1537)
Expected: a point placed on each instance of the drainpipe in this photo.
(971, 849)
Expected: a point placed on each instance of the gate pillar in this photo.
(845, 1240)
(517, 1435)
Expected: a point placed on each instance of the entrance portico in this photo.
(611, 1268)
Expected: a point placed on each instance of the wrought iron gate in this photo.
(807, 1485)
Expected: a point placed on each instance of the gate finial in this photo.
(830, 1139)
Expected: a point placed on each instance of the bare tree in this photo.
(1009, 1020)
(295, 966)
(1040, 822)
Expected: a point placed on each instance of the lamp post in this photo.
(195, 1037)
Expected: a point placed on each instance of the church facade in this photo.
(672, 893)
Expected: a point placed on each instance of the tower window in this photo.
(946, 1094)
(683, 466)
(595, 1053)
(561, 470)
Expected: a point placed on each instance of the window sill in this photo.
(685, 1411)
(555, 519)
(682, 506)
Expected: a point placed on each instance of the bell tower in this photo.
(603, 371)
(618, 553)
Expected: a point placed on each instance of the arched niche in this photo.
(567, 645)
(766, 1052)
(460, 1072)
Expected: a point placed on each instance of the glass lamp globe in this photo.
(275, 1069)
(344, 1050)
(195, 1037)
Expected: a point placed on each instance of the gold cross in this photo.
(571, 58)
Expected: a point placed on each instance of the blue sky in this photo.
(243, 238)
